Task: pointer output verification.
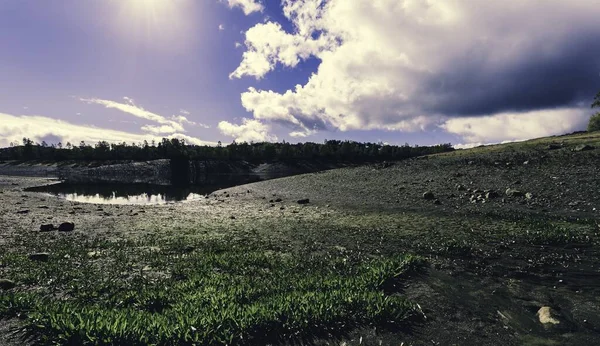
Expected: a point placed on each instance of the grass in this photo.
(100, 292)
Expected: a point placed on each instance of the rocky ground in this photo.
(510, 234)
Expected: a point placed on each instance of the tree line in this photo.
(331, 150)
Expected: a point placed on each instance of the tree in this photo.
(596, 102)
(594, 124)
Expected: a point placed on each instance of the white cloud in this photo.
(248, 6)
(221, 27)
(238, 45)
(135, 110)
(38, 128)
(184, 112)
(504, 127)
(403, 65)
(248, 131)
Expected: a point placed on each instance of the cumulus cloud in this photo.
(518, 126)
(404, 65)
(38, 128)
(248, 6)
(221, 27)
(248, 131)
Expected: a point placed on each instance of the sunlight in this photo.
(154, 21)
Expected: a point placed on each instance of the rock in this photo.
(43, 207)
(529, 195)
(6, 284)
(24, 211)
(66, 227)
(428, 195)
(437, 202)
(553, 146)
(583, 147)
(303, 201)
(232, 217)
(514, 193)
(491, 194)
(278, 200)
(47, 228)
(552, 319)
(526, 162)
(39, 256)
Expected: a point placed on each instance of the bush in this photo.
(594, 124)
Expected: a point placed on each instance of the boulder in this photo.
(547, 315)
(47, 228)
(66, 227)
(6, 284)
(514, 193)
(39, 257)
(303, 201)
(583, 147)
(428, 195)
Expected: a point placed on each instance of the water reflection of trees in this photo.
(148, 191)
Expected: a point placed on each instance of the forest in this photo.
(330, 150)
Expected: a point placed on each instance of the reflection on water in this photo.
(128, 193)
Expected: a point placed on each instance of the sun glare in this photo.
(155, 21)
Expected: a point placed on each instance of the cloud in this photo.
(131, 108)
(405, 65)
(184, 112)
(238, 45)
(39, 128)
(511, 126)
(248, 131)
(248, 6)
(221, 27)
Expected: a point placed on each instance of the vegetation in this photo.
(594, 124)
(331, 150)
(93, 291)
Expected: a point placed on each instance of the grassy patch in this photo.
(171, 291)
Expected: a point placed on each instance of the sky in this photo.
(422, 72)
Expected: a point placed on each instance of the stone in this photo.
(553, 146)
(66, 227)
(47, 228)
(24, 211)
(303, 201)
(583, 147)
(514, 193)
(39, 257)
(491, 194)
(6, 284)
(278, 200)
(428, 195)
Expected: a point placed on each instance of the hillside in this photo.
(509, 234)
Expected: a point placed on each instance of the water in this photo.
(133, 194)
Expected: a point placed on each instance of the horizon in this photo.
(395, 72)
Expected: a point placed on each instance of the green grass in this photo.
(203, 292)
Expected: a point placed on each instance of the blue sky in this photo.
(416, 71)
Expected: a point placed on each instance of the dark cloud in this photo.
(568, 76)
